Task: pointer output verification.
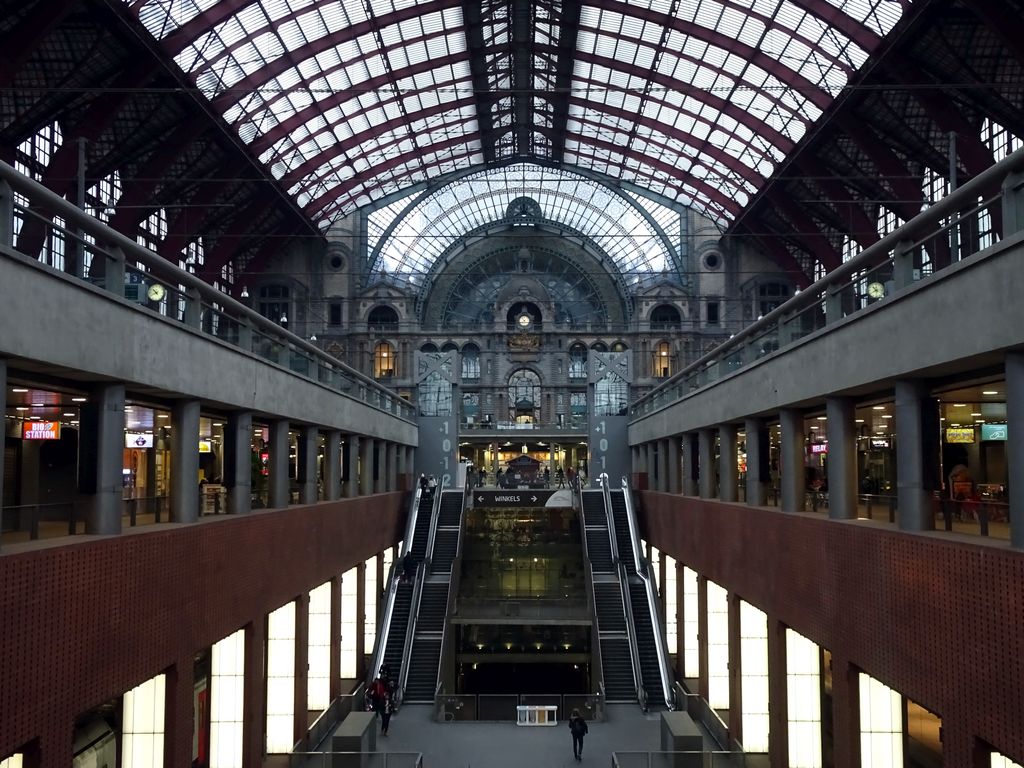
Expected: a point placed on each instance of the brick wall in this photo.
(82, 622)
(937, 617)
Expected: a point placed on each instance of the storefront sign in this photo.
(138, 439)
(40, 430)
(205, 446)
(819, 447)
(959, 434)
(520, 497)
(879, 443)
(993, 431)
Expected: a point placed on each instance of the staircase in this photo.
(431, 615)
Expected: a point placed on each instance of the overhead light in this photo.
(822, 418)
(21, 408)
(959, 405)
(162, 416)
(859, 421)
(18, 389)
(312, 337)
(877, 407)
(984, 392)
(886, 415)
(284, 318)
(38, 405)
(245, 293)
(68, 413)
(79, 399)
(975, 414)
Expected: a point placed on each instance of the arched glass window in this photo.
(470, 362)
(661, 360)
(428, 347)
(665, 316)
(449, 346)
(384, 362)
(599, 346)
(382, 319)
(619, 346)
(577, 361)
(524, 396)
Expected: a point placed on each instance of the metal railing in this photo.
(501, 707)
(103, 259)
(681, 759)
(355, 760)
(925, 245)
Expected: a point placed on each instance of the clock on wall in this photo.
(524, 321)
(876, 290)
(155, 292)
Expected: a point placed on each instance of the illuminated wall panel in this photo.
(227, 694)
(142, 725)
(318, 686)
(754, 679)
(349, 623)
(14, 761)
(370, 622)
(881, 725)
(281, 679)
(718, 647)
(691, 622)
(803, 698)
(998, 761)
(671, 605)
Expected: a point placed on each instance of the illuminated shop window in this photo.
(281, 679)
(227, 698)
(318, 686)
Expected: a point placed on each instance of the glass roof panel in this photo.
(713, 92)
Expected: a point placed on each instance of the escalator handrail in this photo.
(410, 629)
(453, 586)
(609, 520)
(591, 595)
(652, 602)
(634, 652)
(435, 513)
(384, 628)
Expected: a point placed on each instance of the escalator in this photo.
(421, 678)
(612, 634)
(391, 638)
(650, 653)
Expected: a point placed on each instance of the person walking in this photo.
(381, 703)
(578, 729)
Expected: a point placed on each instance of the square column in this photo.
(351, 485)
(1015, 444)
(253, 688)
(842, 458)
(663, 481)
(300, 707)
(690, 463)
(308, 446)
(791, 460)
(706, 470)
(727, 479)
(916, 430)
(3, 364)
(332, 465)
(279, 495)
(674, 466)
(238, 463)
(185, 462)
(392, 481)
(367, 449)
(101, 454)
(757, 459)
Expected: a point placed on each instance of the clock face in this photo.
(155, 292)
(876, 290)
(524, 321)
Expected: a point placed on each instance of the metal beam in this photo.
(522, 74)
(187, 220)
(473, 17)
(568, 29)
(226, 243)
(19, 42)
(807, 231)
(860, 227)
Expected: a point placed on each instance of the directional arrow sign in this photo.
(516, 498)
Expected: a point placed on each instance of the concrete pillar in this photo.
(842, 458)
(727, 472)
(663, 482)
(185, 461)
(352, 448)
(101, 455)
(392, 481)
(238, 462)
(278, 494)
(674, 465)
(1013, 206)
(1015, 444)
(253, 692)
(360, 628)
(332, 465)
(645, 462)
(179, 712)
(335, 632)
(367, 449)
(791, 460)
(403, 467)
(707, 468)
(300, 709)
(913, 498)
(6, 214)
(308, 447)
(690, 463)
(757, 459)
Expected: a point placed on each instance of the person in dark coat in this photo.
(578, 729)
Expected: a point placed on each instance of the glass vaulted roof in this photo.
(407, 243)
(348, 102)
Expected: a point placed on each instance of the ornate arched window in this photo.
(661, 360)
(384, 362)
(524, 396)
(428, 347)
(471, 362)
(665, 316)
(577, 361)
(382, 319)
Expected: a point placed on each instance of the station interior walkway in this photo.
(506, 745)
